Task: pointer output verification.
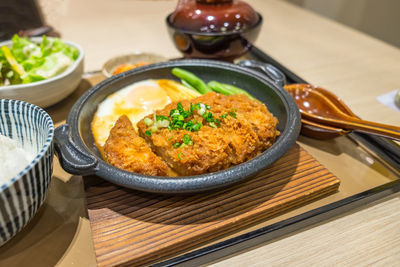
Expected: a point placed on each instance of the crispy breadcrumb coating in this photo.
(126, 150)
(237, 139)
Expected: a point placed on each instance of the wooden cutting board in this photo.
(136, 228)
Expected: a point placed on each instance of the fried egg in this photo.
(136, 101)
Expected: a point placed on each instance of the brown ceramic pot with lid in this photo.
(219, 29)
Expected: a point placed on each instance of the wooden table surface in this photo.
(354, 66)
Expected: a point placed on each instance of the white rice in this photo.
(13, 158)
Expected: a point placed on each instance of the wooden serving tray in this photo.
(136, 228)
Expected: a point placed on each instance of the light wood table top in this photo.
(354, 66)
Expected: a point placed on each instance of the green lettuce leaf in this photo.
(53, 64)
(28, 62)
(23, 48)
(56, 45)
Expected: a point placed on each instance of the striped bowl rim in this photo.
(45, 147)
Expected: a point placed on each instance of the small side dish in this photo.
(200, 128)
(125, 67)
(26, 61)
(127, 62)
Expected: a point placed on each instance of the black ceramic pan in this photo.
(78, 154)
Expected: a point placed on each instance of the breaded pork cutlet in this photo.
(126, 150)
(254, 112)
(237, 130)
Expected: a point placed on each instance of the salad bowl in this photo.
(47, 92)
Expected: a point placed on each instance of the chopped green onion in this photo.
(187, 125)
(178, 120)
(196, 106)
(232, 114)
(173, 112)
(148, 121)
(179, 107)
(212, 124)
(179, 155)
(161, 117)
(201, 112)
(208, 116)
(162, 124)
(153, 129)
(148, 133)
(197, 126)
(187, 139)
(177, 144)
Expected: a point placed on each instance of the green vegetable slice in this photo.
(236, 90)
(219, 88)
(12, 61)
(191, 79)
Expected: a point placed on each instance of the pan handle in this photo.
(267, 69)
(71, 158)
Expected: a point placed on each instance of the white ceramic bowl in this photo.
(47, 92)
(22, 195)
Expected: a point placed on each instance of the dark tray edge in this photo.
(386, 150)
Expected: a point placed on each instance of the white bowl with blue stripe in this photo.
(23, 194)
